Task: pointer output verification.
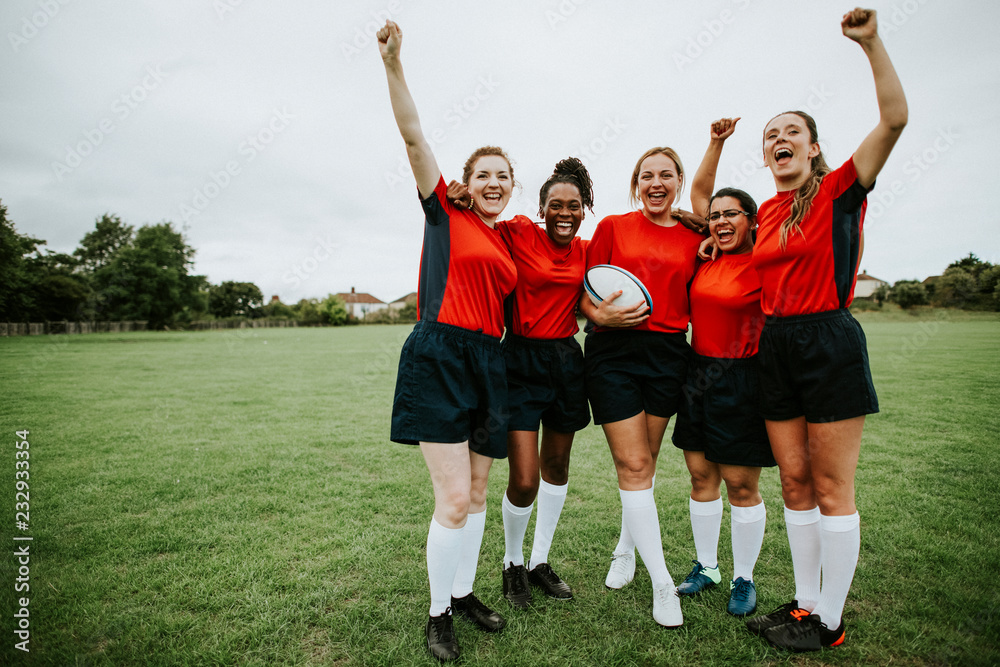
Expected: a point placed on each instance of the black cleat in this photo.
(472, 609)
(543, 577)
(786, 613)
(515, 586)
(441, 640)
(808, 634)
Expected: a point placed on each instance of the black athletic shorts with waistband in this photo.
(629, 372)
(545, 384)
(815, 366)
(719, 413)
(451, 386)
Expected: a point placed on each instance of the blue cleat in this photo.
(701, 579)
(742, 597)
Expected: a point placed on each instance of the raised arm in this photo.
(704, 179)
(860, 25)
(422, 162)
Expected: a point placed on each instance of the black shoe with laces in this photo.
(515, 586)
(543, 577)
(474, 610)
(441, 640)
(808, 634)
(786, 613)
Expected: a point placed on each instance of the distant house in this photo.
(867, 285)
(398, 304)
(360, 304)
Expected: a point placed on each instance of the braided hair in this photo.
(571, 171)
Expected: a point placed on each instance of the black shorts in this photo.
(719, 413)
(629, 372)
(815, 366)
(545, 384)
(451, 386)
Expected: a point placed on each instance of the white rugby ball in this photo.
(604, 279)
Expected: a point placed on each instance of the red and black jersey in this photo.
(726, 317)
(549, 281)
(466, 271)
(817, 270)
(663, 258)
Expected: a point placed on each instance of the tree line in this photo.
(969, 283)
(119, 273)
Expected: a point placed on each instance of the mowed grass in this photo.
(233, 498)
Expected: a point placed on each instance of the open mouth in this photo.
(657, 197)
(782, 154)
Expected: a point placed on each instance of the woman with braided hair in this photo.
(545, 376)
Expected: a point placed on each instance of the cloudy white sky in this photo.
(264, 131)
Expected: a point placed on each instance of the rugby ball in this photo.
(604, 279)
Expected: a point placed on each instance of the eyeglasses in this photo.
(728, 215)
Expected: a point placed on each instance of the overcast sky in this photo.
(263, 129)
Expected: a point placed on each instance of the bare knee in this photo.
(452, 507)
(522, 489)
(797, 491)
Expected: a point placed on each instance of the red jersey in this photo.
(817, 270)
(663, 258)
(549, 281)
(466, 271)
(726, 317)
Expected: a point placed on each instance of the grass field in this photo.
(232, 498)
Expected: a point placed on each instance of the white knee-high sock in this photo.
(515, 524)
(803, 539)
(468, 559)
(841, 539)
(551, 499)
(748, 536)
(643, 523)
(443, 546)
(626, 544)
(706, 521)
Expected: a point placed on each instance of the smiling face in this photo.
(789, 148)
(563, 212)
(490, 185)
(730, 232)
(658, 182)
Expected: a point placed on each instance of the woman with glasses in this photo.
(718, 425)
